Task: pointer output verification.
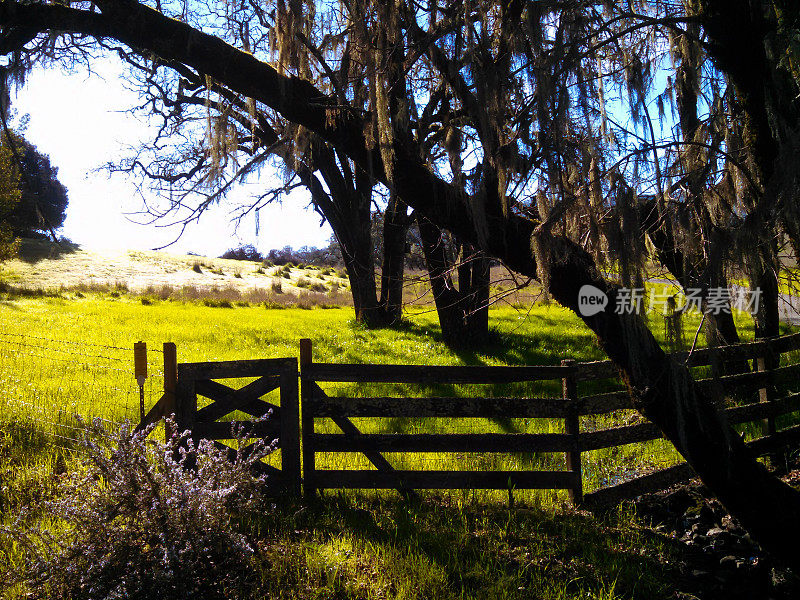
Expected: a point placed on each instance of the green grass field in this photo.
(71, 353)
(63, 356)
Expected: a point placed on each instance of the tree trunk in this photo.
(444, 293)
(720, 328)
(767, 317)
(475, 297)
(357, 256)
(665, 393)
(395, 230)
(464, 311)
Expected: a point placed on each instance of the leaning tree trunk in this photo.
(664, 392)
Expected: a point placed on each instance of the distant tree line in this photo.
(329, 256)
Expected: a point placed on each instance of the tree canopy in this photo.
(42, 203)
(9, 199)
(43, 198)
(525, 129)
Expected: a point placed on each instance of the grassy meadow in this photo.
(67, 349)
(71, 355)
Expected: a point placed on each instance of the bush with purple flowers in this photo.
(135, 522)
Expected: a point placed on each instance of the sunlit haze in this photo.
(79, 121)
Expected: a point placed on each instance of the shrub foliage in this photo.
(136, 522)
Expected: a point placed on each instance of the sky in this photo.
(78, 120)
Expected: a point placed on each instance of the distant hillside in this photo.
(47, 266)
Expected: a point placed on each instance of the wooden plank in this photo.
(534, 408)
(749, 381)
(262, 467)
(376, 458)
(352, 432)
(290, 431)
(747, 350)
(641, 485)
(307, 390)
(170, 352)
(758, 410)
(227, 399)
(618, 436)
(598, 404)
(572, 427)
(599, 369)
(254, 408)
(155, 413)
(443, 442)
(221, 430)
(453, 480)
(424, 374)
(235, 368)
(766, 394)
(785, 343)
(186, 402)
(762, 445)
(706, 356)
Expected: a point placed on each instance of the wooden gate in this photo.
(316, 404)
(283, 425)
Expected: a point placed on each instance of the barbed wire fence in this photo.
(53, 384)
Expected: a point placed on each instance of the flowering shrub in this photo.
(136, 522)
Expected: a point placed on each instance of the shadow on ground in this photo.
(33, 250)
(443, 549)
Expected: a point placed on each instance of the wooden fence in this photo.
(760, 396)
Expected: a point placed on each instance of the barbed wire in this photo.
(73, 342)
(55, 383)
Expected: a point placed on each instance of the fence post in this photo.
(766, 363)
(170, 385)
(569, 388)
(185, 399)
(306, 359)
(140, 372)
(290, 427)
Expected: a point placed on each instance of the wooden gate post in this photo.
(170, 385)
(290, 427)
(569, 388)
(306, 392)
(766, 363)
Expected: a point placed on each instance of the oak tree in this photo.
(546, 182)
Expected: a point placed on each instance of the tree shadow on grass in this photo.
(546, 347)
(33, 250)
(487, 550)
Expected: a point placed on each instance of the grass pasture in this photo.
(69, 351)
(70, 355)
